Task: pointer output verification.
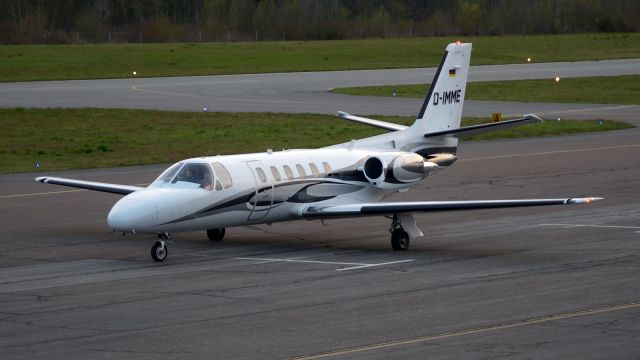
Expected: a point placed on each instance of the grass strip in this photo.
(94, 61)
(61, 139)
(592, 90)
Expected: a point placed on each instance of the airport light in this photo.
(528, 59)
(135, 73)
(557, 79)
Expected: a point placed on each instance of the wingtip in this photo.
(342, 114)
(588, 200)
(41, 179)
(535, 117)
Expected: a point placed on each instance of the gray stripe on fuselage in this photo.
(239, 202)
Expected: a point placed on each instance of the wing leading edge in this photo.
(90, 185)
(394, 208)
(371, 122)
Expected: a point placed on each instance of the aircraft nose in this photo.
(132, 215)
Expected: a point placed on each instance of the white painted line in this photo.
(596, 226)
(588, 110)
(372, 265)
(42, 193)
(239, 81)
(298, 260)
(168, 93)
(550, 152)
(353, 266)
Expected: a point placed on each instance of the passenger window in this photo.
(288, 172)
(223, 175)
(261, 175)
(303, 174)
(314, 170)
(327, 167)
(275, 173)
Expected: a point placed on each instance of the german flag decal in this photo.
(452, 72)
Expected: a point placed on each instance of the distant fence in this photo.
(77, 37)
(194, 35)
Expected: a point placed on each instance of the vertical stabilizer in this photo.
(442, 108)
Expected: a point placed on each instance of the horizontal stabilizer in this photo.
(90, 185)
(485, 128)
(371, 122)
(392, 208)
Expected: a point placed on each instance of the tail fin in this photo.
(442, 108)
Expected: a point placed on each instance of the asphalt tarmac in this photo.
(553, 282)
(307, 92)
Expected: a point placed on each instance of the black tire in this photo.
(399, 240)
(158, 252)
(216, 234)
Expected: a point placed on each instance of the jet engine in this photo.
(396, 170)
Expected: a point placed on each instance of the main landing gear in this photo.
(399, 237)
(159, 250)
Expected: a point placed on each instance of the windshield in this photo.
(195, 173)
(168, 174)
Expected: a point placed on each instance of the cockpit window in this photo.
(222, 174)
(196, 173)
(168, 174)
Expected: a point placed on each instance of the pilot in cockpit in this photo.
(206, 182)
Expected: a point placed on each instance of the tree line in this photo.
(65, 21)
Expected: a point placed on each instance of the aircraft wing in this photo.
(90, 185)
(485, 128)
(371, 122)
(392, 208)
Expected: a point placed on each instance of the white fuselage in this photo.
(263, 188)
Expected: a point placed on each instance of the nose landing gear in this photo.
(159, 250)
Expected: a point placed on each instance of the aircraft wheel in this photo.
(399, 239)
(216, 234)
(159, 251)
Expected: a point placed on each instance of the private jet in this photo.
(351, 179)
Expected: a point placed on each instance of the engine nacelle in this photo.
(396, 170)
